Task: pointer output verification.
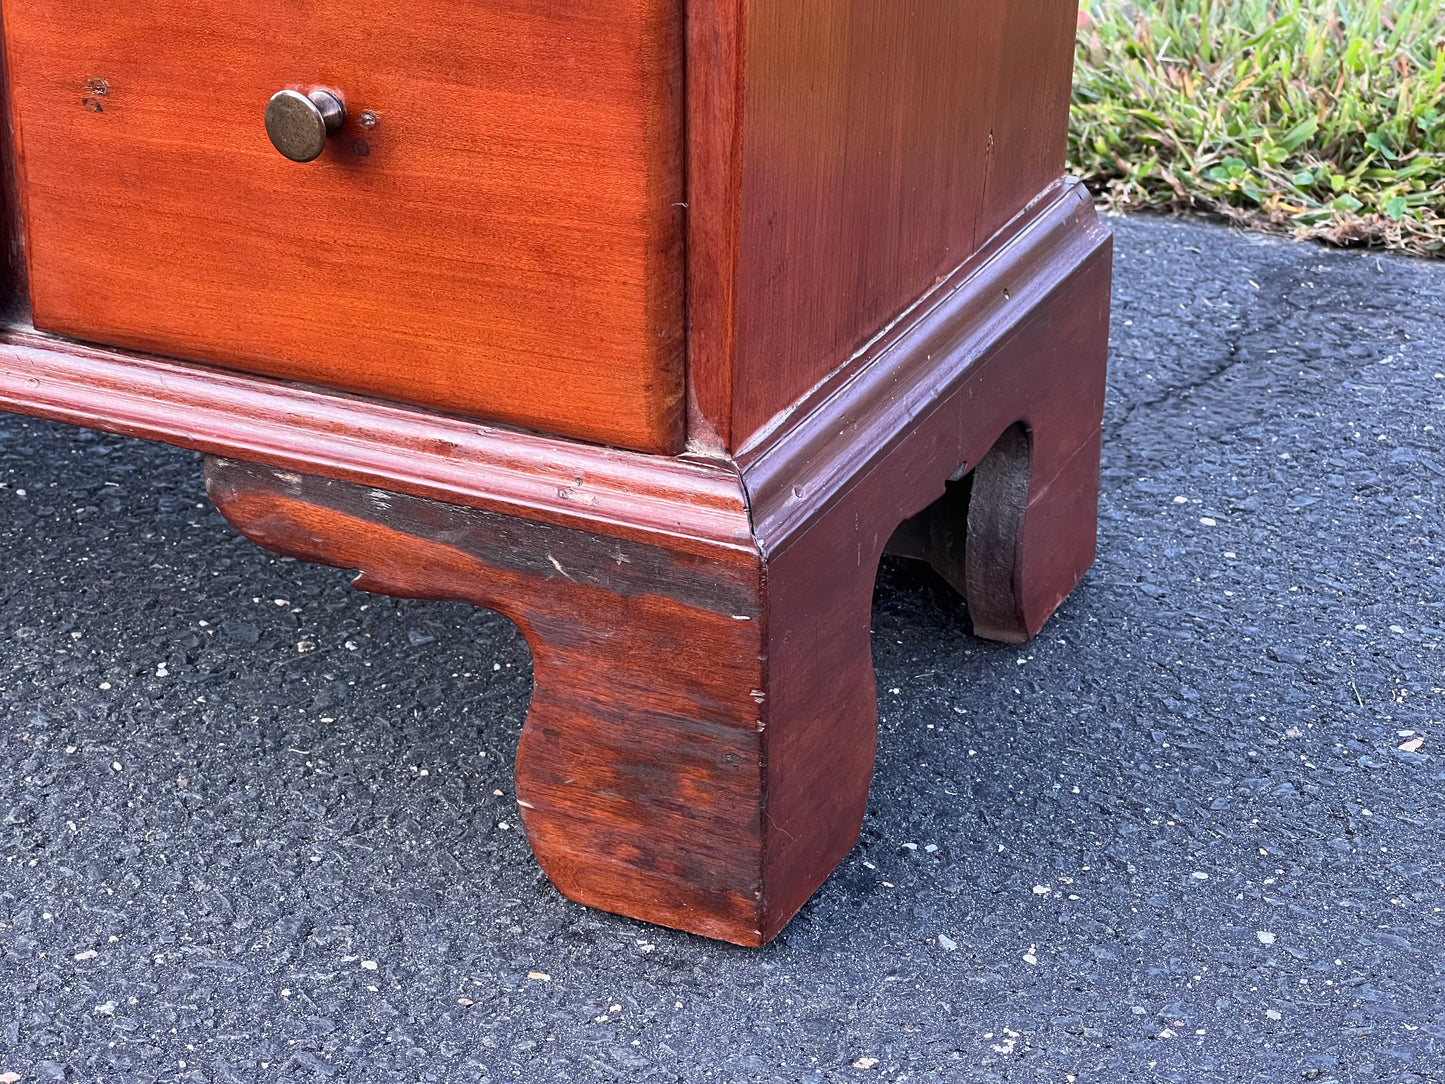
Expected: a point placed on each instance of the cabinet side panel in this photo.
(883, 142)
(1031, 122)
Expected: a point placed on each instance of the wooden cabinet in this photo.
(650, 323)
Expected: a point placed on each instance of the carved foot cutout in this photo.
(1011, 543)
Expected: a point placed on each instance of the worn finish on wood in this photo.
(897, 323)
(875, 147)
(717, 793)
(713, 794)
(505, 242)
(641, 786)
(663, 556)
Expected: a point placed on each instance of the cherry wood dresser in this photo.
(651, 324)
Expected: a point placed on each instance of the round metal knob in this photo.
(298, 124)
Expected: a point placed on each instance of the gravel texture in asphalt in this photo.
(256, 826)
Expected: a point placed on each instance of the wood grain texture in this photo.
(1043, 374)
(843, 427)
(696, 502)
(660, 792)
(717, 793)
(857, 417)
(879, 144)
(888, 287)
(1039, 376)
(640, 786)
(714, 161)
(505, 243)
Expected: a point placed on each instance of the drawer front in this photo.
(495, 229)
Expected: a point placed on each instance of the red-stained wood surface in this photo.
(874, 147)
(641, 786)
(1040, 372)
(505, 242)
(897, 324)
(714, 106)
(401, 448)
(717, 793)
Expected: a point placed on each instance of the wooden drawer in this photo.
(495, 230)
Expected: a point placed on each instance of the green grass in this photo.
(1317, 118)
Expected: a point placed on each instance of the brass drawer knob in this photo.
(298, 124)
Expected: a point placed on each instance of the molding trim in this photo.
(816, 451)
(698, 503)
(777, 486)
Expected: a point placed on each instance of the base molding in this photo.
(397, 448)
(812, 452)
(785, 476)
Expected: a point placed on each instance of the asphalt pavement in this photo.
(255, 826)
